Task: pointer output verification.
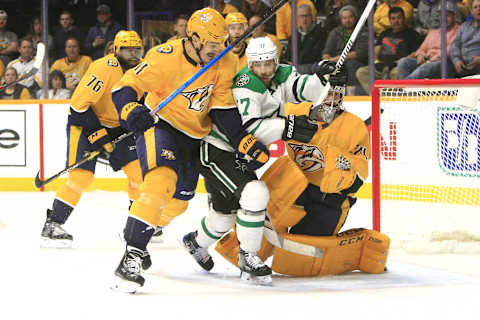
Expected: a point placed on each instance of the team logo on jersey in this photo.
(168, 154)
(198, 98)
(165, 49)
(308, 158)
(243, 80)
(112, 62)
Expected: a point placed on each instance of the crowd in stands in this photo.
(407, 41)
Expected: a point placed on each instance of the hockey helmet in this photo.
(236, 17)
(261, 49)
(124, 42)
(332, 105)
(209, 25)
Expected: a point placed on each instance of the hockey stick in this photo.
(87, 157)
(245, 35)
(36, 66)
(349, 45)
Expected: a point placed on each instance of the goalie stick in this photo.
(87, 157)
(36, 66)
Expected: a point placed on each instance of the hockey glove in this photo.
(299, 128)
(100, 138)
(324, 68)
(253, 151)
(137, 117)
(339, 77)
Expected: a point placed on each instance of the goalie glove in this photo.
(299, 128)
(338, 174)
(253, 151)
(100, 138)
(137, 117)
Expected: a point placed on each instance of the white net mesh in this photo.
(429, 170)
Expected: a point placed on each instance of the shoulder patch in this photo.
(112, 62)
(167, 48)
(243, 80)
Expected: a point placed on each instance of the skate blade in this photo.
(256, 280)
(56, 244)
(124, 286)
(158, 239)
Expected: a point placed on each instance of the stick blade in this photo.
(40, 55)
(38, 182)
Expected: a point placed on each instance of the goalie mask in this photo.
(331, 106)
(262, 58)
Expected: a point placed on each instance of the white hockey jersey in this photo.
(263, 109)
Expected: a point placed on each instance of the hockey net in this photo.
(426, 164)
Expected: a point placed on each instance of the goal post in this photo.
(426, 158)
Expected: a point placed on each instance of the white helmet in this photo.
(261, 49)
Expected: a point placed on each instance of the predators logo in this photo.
(168, 154)
(198, 98)
(308, 158)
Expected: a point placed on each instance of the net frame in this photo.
(446, 85)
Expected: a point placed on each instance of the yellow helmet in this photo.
(235, 17)
(208, 24)
(126, 38)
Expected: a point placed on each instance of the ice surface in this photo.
(74, 283)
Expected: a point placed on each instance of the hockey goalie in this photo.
(311, 193)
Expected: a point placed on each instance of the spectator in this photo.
(66, 30)
(394, 43)
(381, 21)
(109, 48)
(284, 20)
(57, 85)
(103, 32)
(24, 63)
(425, 62)
(332, 8)
(15, 91)
(8, 40)
(225, 8)
(257, 7)
(338, 37)
(237, 24)
(311, 40)
(74, 65)
(429, 18)
(260, 32)
(35, 33)
(2, 69)
(179, 27)
(465, 48)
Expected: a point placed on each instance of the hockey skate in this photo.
(53, 235)
(128, 276)
(201, 255)
(253, 269)
(157, 235)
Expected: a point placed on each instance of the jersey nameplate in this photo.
(243, 80)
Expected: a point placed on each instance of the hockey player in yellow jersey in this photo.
(237, 24)
(311, 192)
(93, 123)
(168, 145)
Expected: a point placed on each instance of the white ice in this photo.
(74, 283)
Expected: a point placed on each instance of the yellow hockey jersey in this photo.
(95, 90)
(73, 71)
(166, 68)
(346, 132)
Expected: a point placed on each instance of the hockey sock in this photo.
(134, 175)
(250, 229)
(60, 211)
(137, 233)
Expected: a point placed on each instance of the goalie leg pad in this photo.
(213, 227)
(286, 182)
(156, 191)
(134, 175)
(355, 249)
